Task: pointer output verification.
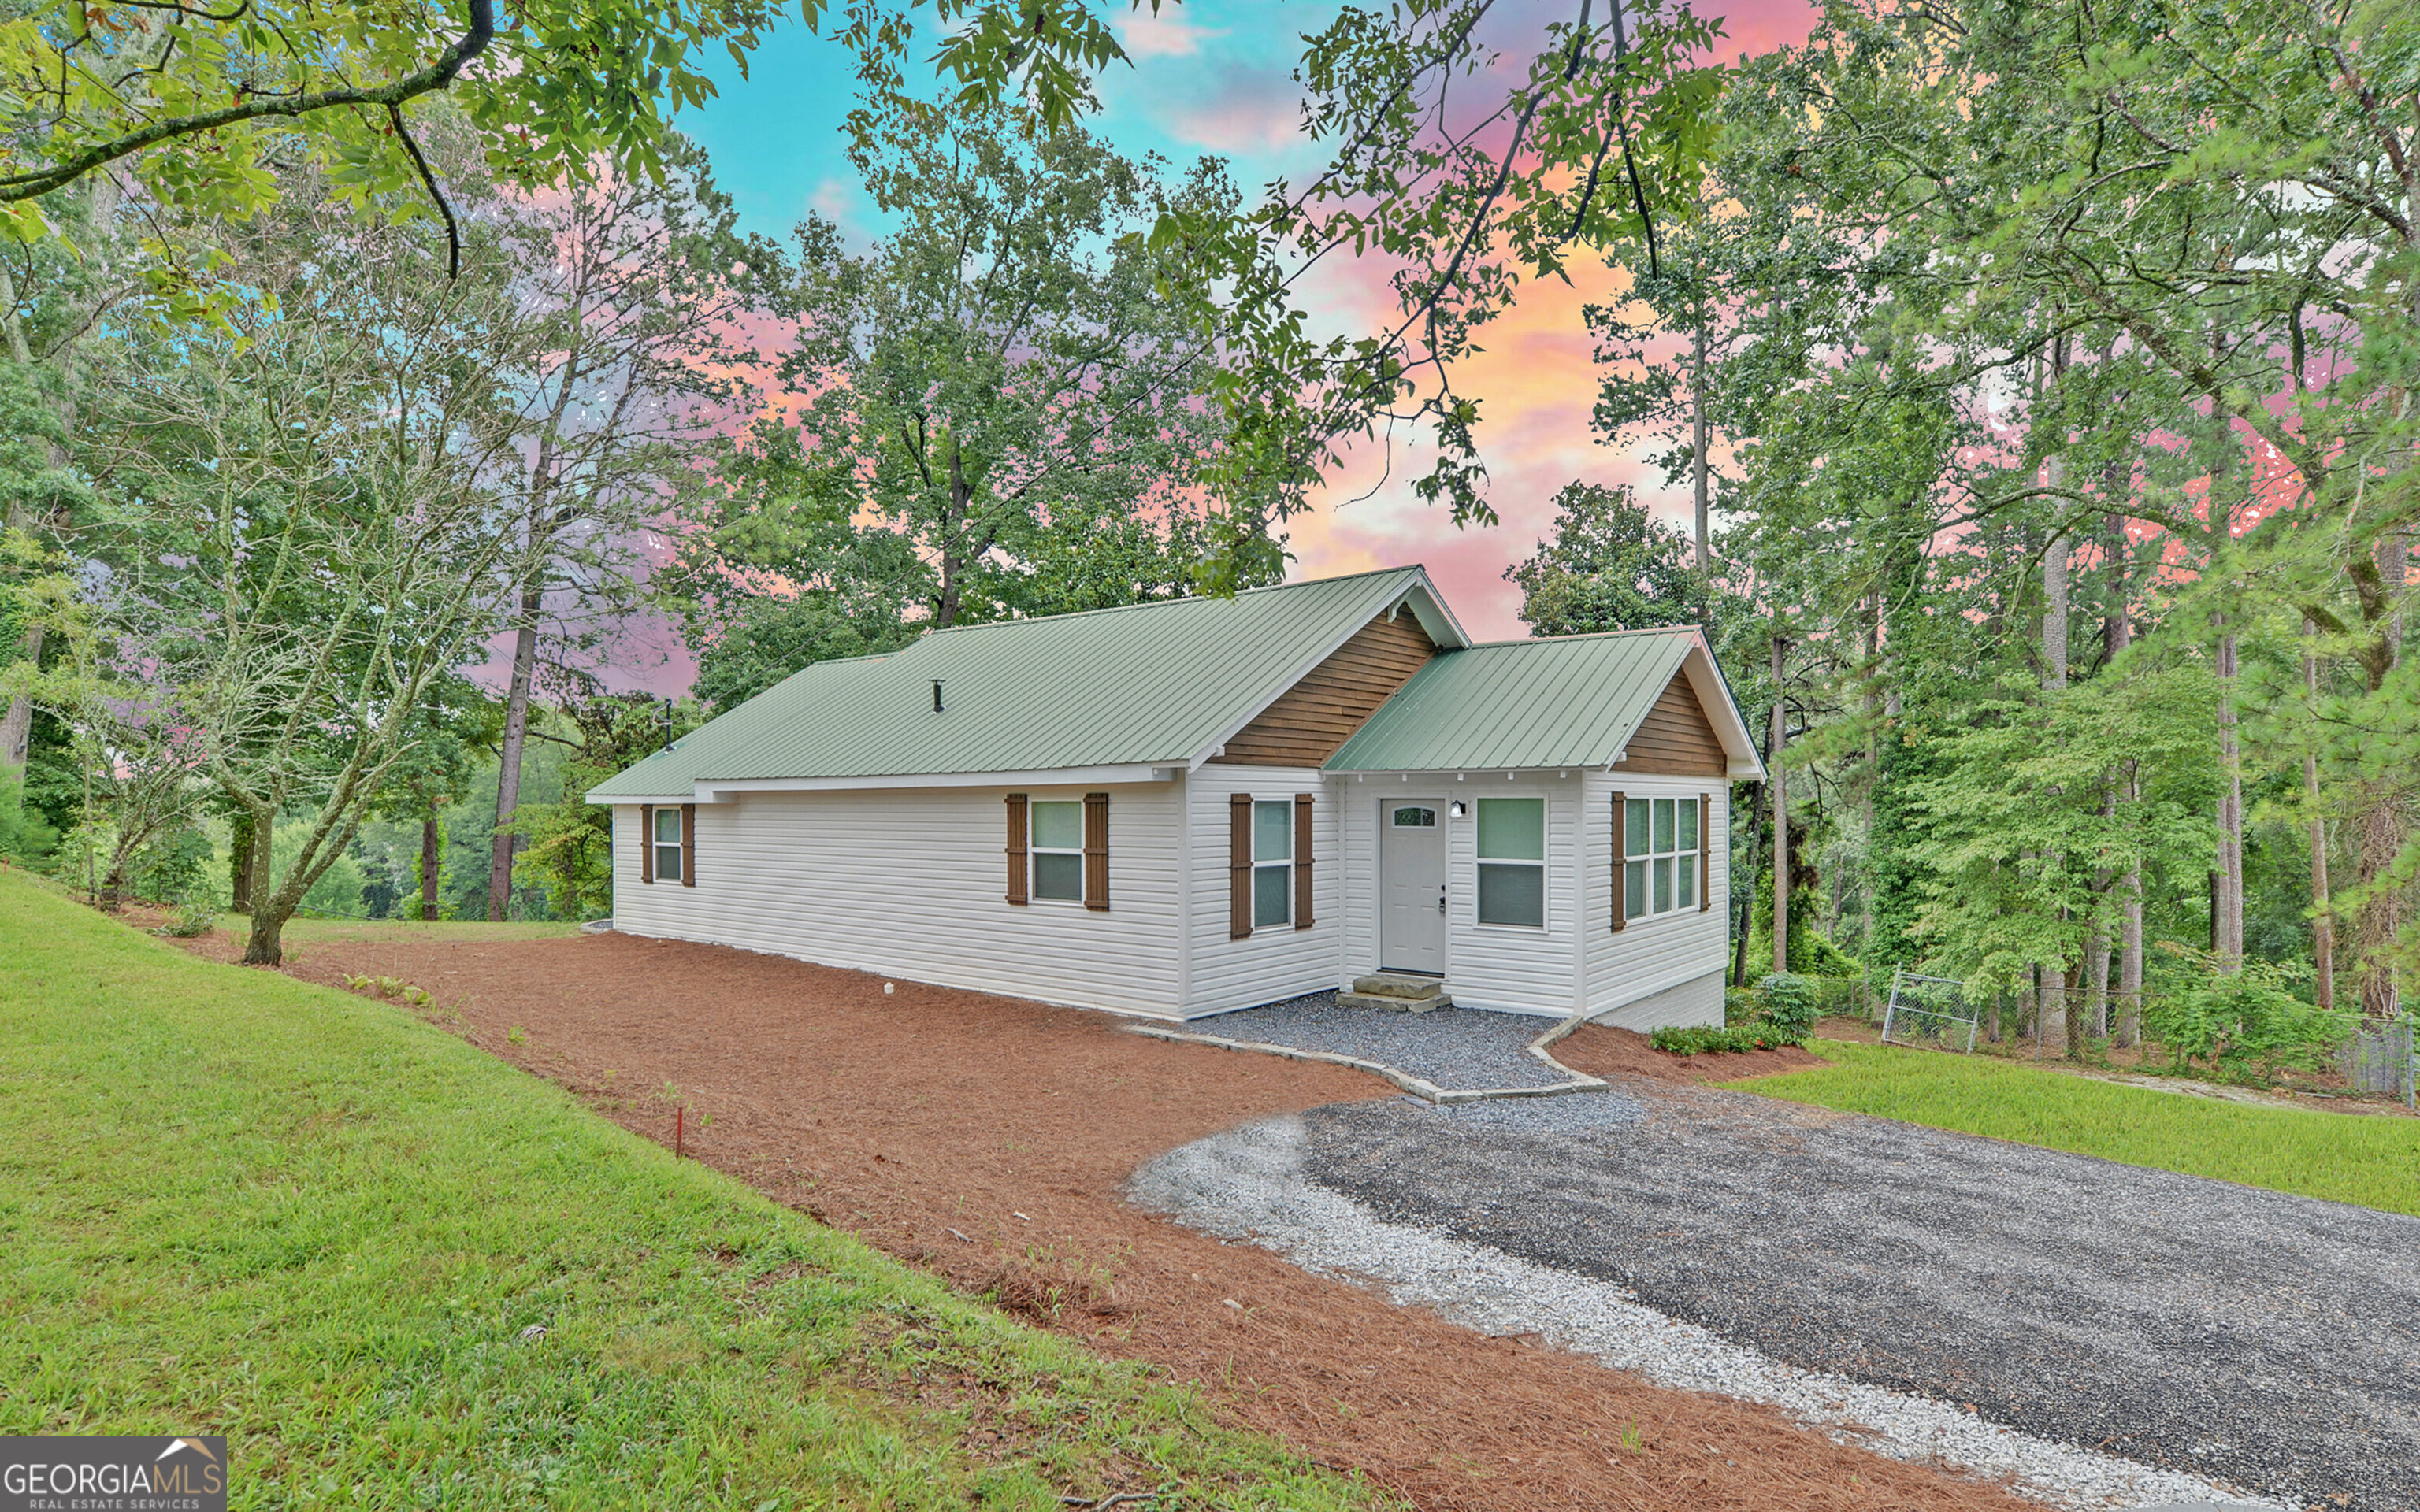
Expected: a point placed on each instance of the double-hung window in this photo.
(1059, 851)
(1512, 861)
(1661, 838)
(1272, 863)
(667, 840)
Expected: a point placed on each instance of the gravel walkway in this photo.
(2268, 1340)
(1460, 1049)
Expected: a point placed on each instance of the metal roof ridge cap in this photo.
(1150, 603)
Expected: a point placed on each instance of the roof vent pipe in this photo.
(937, 695)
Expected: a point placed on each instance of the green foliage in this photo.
(768, 638)
(1611, 566)
(1715, 1040)
(2326, 1155)
(570, 850)
(1789, 1004)
(2245, 1025)
(588, 1323)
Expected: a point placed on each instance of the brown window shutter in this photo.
(646, 843)
(688, 845)
(1302, 860)
(1239, 865)
(1019, 875)
(1705, 851)
(1621, 860)
(1096, 852)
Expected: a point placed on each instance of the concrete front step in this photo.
(1397, 984)
(1396, 994)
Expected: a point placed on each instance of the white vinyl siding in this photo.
(1523, 968)
(907, 883)
(1660, 968)
(1271, 962)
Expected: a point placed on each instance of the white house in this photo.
(1191, 806)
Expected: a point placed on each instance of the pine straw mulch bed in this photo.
(987, 1138)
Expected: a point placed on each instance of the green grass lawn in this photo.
(234, 1203)
(2345, 1158)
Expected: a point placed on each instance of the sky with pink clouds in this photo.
(1212, 77)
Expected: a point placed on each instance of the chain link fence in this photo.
(2382, 1060)
(1928, 1012)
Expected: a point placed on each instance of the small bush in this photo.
(1715, 1040)
(1790, 1004)
(194, 920)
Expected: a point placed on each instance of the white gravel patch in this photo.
(1247, 1184)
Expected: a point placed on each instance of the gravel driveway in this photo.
(2269, 1340)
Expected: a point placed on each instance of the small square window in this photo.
(1511, 861)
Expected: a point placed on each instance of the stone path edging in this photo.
(1418, 1086)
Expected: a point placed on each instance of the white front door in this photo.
(1411, 886)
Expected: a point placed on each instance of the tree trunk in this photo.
(431, 862)
(2129, 950)
(2057, 1015)
(17, 725)
(265, 946)
(1747, 894)
(2116, 635)
(2229, 934)
(508, 756)
(953, 563)
(1781, 817)
(239, 866)
(2323, 929)
(1698, 467)
(2377, 820)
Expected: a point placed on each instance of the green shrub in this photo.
(1715, 1040)
(1740, 1005)
(1790, 1004)
(2246, 1024)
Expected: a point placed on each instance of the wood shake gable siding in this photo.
(1306, 723)
(907, 883)
(1676, 739)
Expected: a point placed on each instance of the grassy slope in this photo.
(235, 1203)
(2375, 1160)
(313, 930)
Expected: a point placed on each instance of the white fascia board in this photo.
(1739, 742)
(1429, 607)
(612, 800)
(710, 790)
(1419, 585)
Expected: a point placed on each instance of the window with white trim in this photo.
(1512, 861)
(1272, 863)
(668, 844)
(1058, 847)
(1661, 838)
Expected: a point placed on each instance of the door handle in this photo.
(1440, 898)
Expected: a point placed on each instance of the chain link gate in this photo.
(1927, 1013)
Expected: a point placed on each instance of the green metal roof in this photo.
(1155, 682)
(1566, 700)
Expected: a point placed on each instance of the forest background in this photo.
(2040, 381)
